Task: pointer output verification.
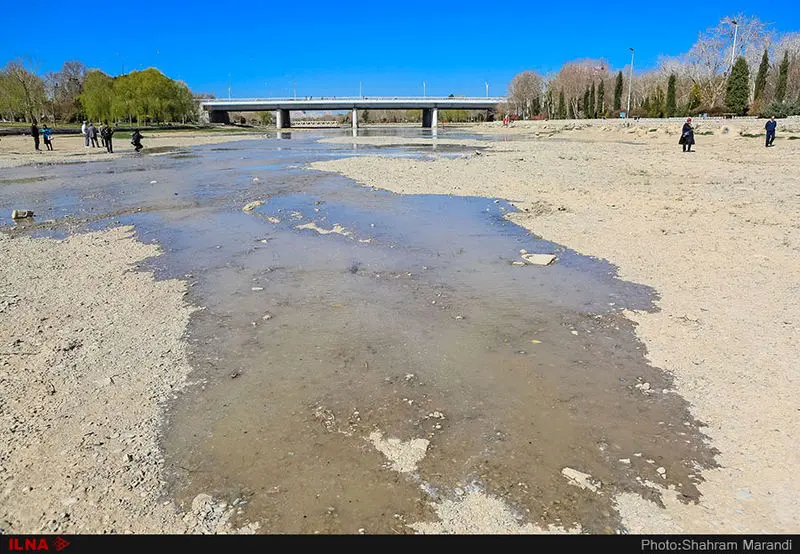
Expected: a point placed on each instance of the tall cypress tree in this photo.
(783, 75)
(592, 113)
(737, 94)
(572, 114)
(537, 106)
(601, 93)
(586, 102)
(695, 98)
(562, 106)
(618, 92)
(672, 106)
(761, 77)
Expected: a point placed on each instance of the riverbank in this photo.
(18, 150)
(92, 350)
(716, 232)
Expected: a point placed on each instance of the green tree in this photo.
(585, 107)
(783, 76)
(737, 95)
(26, 91)
(761, 77)
(618, 92)
(601, 93)
(695, 98)
(672, 107)
(97, 96)
(592, 112)
(562, 107)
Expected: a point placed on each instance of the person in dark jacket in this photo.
(136, 140)
(770, 127)
(93, 135)
(107, 132)
(35, 135)
(687, 136)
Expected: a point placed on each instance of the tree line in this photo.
(76, 93)
(759, 75)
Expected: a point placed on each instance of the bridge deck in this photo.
(362, 103)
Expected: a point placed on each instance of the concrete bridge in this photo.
(218, 109)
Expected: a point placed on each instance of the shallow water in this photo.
(308, 341)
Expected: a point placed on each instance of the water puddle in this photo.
(361, 354)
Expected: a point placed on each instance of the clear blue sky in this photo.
(326, 48)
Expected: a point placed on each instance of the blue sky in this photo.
(326, 48)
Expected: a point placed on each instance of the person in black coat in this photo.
(136, 140)
(770, 127)
(35, 135)
(687, 136)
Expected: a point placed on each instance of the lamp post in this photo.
(229, 86)
(630, 87)
(424, 90)
(735, 32)
(360, 90)
(487, 88)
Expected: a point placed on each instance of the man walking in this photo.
(35, 134)
(770, 127)
(93, 135)
(107, 132)
(85, 132)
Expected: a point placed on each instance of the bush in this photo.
(779, 110)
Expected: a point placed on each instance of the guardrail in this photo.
(497, 99)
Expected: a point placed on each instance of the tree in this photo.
(25, 88)
(97, 96)
(672, 107)
(695, 98)
(783, 75)
(618, 92)
(562, 107)
(524, 91)
(737, 93)
(601, 93)
(585, 106)
(592, 112)
(761, 78)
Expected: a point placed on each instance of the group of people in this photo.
(90, 135)
(47, 135)
(687, 134)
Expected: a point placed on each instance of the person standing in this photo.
(136, 140)
(35, 134)
(770, 127)
(107, 132)
(93, 135)
(102, 134)
(47, 136)
(687, 136)
(85, 132)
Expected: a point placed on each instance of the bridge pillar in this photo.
(355, 118)
(218, 116)
(282, 119)
(435, 118)
(427, 117)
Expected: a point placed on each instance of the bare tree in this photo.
(525, 93)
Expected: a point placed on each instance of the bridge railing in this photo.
(497, 99)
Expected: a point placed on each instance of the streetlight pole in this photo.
(294, 89)
(360, 89)
(487, 88)
(630, 87)
(735, 32)
(229, 86)
(424, 90)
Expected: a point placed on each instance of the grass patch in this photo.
(793, 137)
(706, 133)
(753, 135)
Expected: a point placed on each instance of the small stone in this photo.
(256, 289)
(153, 182)
(662, 472)
(267, 316)
(539, 259)
(574, 332)
(459, 491)
(361, 531)
(625, 460)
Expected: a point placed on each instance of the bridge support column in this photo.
(427, 116)
(435, 118)
(355, 118)
(282, 119)
(218, 116)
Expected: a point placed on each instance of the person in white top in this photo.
(85, 131)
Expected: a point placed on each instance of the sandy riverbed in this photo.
(716, 232)
(18, 150)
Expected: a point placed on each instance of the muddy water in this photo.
(333, 311)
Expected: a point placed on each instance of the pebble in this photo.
(662, 472)
(267, 316)
(256, 289)
(625, 460)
